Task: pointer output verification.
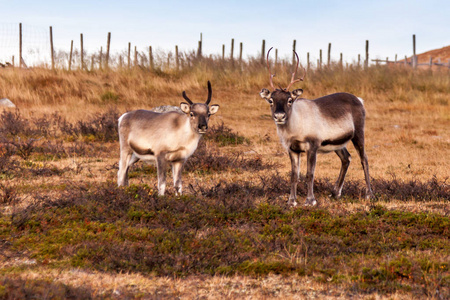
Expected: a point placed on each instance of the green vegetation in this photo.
(106, 228)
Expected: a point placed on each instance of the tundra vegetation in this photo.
(68, 231)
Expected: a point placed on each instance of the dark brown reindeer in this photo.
(316, 126)
(170, 137)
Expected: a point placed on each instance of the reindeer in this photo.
(316, 126)
(170, 137)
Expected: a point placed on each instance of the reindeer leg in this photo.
(295, 173)
(358, 142)
(311, 155)
(127, 158)
(177, 168)
(122, 174)
(345, 160)
(161, 165)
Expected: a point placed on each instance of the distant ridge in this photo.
(443, 54)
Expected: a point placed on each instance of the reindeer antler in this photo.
(268, 67)
(295, 72)
(208, 100)
(186, 98)
(209, 93)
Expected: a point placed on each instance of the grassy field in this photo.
(67, 231)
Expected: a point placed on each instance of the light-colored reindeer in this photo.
(322, 125)
(170, 137)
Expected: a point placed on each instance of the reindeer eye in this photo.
(290, 101)
(270, 101)
(192, 114)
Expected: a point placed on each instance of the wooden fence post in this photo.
(92, 63)
(107, 49)
(366, 62)
(70, 55)
(129, 55)
(263, 50)
(232, 49)
(359, 60)
(276, 57)
(100, 65)
(329, 55)
(431, 62)
(82, 52)
(201, 45)
(293, 52)
(308, 64)
(150, 57)
(51, 49)
(320, 58)
(223, 51)
(406, 60)
(199, 50)
(414, 58)
(177, 62)
(341, 61)
(135, 56)
(241, 46)
(20, 45)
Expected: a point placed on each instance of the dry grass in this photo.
(408, 141)
(105, 285)
(407, 123)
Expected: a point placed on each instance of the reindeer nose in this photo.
(202, 127)
(279, 117)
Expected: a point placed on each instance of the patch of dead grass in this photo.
(194, 287)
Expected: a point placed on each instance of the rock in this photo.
(166, 108)
(6, 103)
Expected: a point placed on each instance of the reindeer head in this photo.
(199, 113)
(281, 100)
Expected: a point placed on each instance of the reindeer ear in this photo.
(213, 109)
(265, 94)
(186, 108)
(296, 93)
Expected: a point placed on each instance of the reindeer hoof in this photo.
(311, 202)
(335, 195)
(292, 202)
(371, 196)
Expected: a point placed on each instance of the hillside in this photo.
(443, 54)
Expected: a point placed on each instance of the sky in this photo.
(346, 24)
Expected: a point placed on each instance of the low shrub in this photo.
(222, 135)
(209, 159)
(102, 127)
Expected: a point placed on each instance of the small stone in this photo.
(6, 103)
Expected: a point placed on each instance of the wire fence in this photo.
(34, 41)
(32, 46)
